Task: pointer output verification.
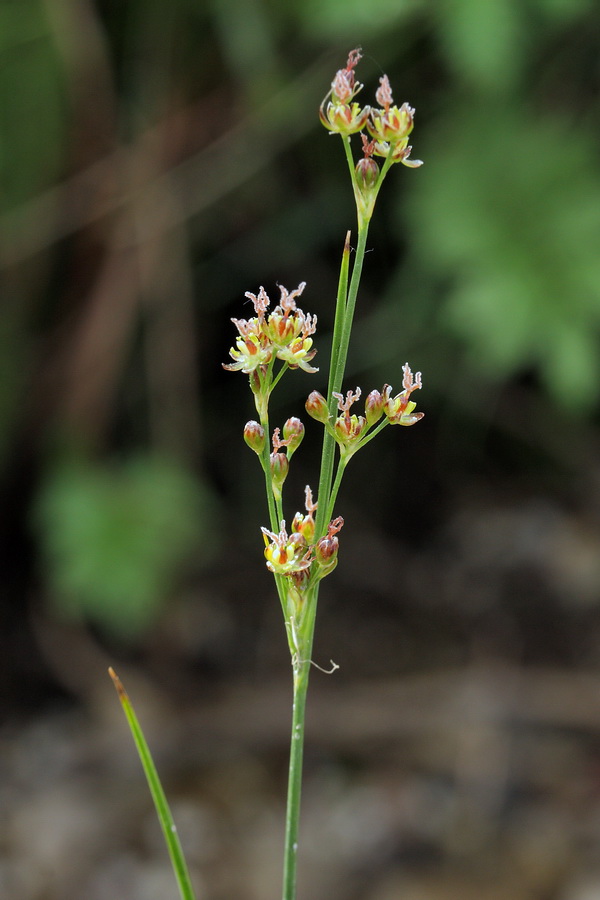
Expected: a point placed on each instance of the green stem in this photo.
(336, 486)
(340, 310)
(339, 354)
(292, 820)
(301, 658)
(274, 517)
(350, 306)
(266, 465)
(342, 468)
(279, 375)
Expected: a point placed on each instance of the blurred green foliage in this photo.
(512, 226)
(159, 160)
(115, 537)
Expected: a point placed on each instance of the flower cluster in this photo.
(342, 115)
(293, 554)
(399, 409)
(389, 125)
(286, 554)
(352, 431)
(300, 558)
(284, 334)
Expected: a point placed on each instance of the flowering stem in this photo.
(346, 301)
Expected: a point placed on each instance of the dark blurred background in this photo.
(158, 159)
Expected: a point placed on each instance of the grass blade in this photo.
(158, 795)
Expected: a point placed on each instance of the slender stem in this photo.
(279, 508)
(281, 372)
(274, 519)
(266, 464)
(350, 306)
(383, 424)
(345, 310)
(336, 486)
(340, 310)
(292, 820)
(342, 468)
(301, 638)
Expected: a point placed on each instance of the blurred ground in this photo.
(454, 754)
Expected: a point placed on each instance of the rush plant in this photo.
(270, 344)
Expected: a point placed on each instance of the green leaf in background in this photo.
(115, 538)
(484, 42)
(353, 20)
(509, 218)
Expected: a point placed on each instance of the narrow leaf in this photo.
(158, 795)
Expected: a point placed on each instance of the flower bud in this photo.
(279, 469)
(367, 173)
(304, 525)
(373, 407)
(256, 385)
(326, 555)
(326, 548)
(254, 435)
(293, 433)
(316, 406)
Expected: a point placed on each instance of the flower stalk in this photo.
(268, 346)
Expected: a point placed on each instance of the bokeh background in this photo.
(158, 159)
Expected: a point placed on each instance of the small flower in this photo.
(287, 322)
(399, 152)
(390, 127)
(344, 86)
(305, 524)
(348, 428)
(299, 354)
(342, 118)
(399, 409)
(284, 333)
(285, 554)
(341, 115)
(249, 353)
